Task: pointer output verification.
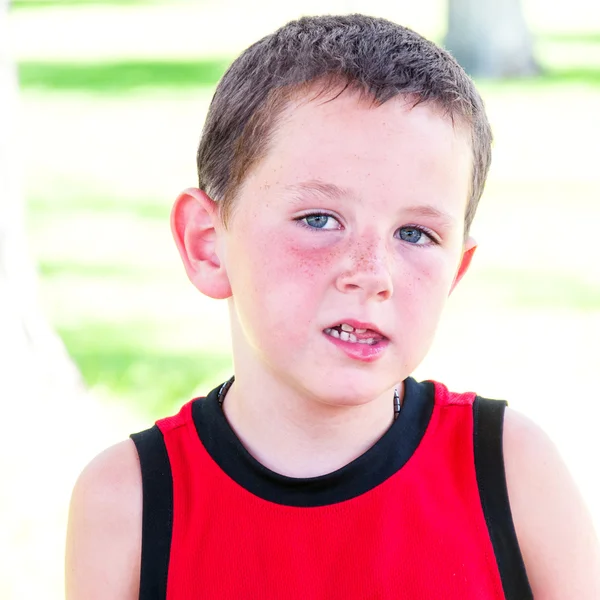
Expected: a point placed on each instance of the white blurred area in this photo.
(545, 361)
(187, 28)
(183, 29)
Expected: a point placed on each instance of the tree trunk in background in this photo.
(490, 38)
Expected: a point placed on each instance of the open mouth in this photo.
(355, 335)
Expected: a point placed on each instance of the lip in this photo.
(361, 352)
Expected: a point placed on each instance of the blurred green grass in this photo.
(109, 78)
(133, 364)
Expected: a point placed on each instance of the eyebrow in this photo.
(426, 210)
(322, 188)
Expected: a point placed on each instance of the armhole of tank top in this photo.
(488, 423)
(157, 513)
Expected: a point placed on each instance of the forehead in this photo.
(345, 116)
(395, 148)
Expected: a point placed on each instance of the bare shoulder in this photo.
(554, 528)
(105, 527)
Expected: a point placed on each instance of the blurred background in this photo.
(100, 331)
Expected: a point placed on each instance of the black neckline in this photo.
(389, 454)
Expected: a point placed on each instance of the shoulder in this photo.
(553, 526)
(105, 525)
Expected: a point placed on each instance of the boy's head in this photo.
(315, 55)
(339, 159)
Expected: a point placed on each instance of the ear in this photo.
(195, 224)
(469, 248)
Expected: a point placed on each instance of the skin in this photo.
(393, 181)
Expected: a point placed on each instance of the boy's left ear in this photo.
(195, 223)
(469, 248)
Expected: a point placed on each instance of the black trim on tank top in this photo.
(157, 512)
(488, 422)
(386, 457)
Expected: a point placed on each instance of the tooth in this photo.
(346, 327)
(367, 341)
(360, 331)
(334, 333)
(328, 330)
(352, 338)
(344, 336)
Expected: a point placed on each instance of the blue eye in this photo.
(414, 235)
(320, 221)
(316, 221)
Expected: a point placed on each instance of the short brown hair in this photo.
(375, 56)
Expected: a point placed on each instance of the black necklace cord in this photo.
(224, 389)
(397, 403)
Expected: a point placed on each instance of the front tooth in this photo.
(344, 336)
(352, 338)
(334, 333)
(366, 341)
(346, 327)
(360, 330)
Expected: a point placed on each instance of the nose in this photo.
(367, 271)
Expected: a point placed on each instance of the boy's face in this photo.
(355, 216)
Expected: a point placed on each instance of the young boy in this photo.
(340, 167)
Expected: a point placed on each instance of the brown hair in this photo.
(372, 55)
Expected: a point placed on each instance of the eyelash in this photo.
(424, 230)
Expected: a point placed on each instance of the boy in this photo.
(340, 168)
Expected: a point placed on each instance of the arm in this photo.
(554, 529)
(105, 528)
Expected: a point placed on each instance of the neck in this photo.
(298, 436)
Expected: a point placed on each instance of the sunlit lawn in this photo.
(108, 145)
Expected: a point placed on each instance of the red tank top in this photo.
(423, 514)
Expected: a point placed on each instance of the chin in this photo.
(345, 392)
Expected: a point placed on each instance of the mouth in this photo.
(354, 332)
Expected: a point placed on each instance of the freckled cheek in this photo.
(298, 264)
(313, 262)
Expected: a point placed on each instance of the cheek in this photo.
(289, 290)
(427, 287)
(311, 262)
(420, 305)
(293, 264)
(280, 281)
